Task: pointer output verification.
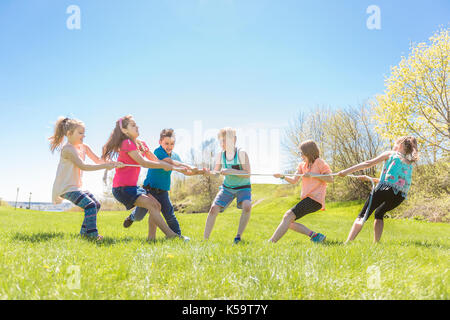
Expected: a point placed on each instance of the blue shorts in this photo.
(128, 195)
(226, 195)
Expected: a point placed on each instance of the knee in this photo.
(156, 206)
(153, 205)
(214, 211)
(246, 207)
(289, 217)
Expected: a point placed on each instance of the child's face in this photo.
(227, 143)
(76, 136)
(304, 158)
(132, 130)
(399, 147)
(167, 143)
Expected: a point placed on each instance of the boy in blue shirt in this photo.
(157, 184)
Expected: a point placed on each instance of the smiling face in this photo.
(76, 136)
(167, 143)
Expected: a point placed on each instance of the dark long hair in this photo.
(112, 147)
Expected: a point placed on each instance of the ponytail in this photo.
(62, 127)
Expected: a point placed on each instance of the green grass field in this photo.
(42, 257)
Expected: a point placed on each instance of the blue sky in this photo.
(170, 63)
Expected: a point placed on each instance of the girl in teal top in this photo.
(393, 186)
(396, 174)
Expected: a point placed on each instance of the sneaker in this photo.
(237, 240)
(128, 222)
(318, 237)
(184, 238)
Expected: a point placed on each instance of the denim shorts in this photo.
(128, 195)
(226, 195)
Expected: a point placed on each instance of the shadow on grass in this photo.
(331, 243)
(425, 244)
(108, 241)
(37, 237)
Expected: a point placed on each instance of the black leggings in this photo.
(383, 200)
(305, 206)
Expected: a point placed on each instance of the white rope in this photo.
(360, 221)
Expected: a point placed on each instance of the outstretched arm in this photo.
(158, 164)
(71, 154)
(366, 164)
(290, 180)
(93, 156)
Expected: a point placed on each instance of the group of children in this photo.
(125, 153)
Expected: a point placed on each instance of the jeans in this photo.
(162, 196)
(90, 205)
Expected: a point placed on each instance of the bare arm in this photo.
(290, 180)
(71, 154)
(151, 156)
(93, 156)
(217, 166)
(366, 164)
(136, 156)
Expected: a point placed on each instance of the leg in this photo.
(245, 216)
(392, 201)
(151, 229)
(82, 200)
(210, 220)
(378, 225)
(153, 206)
(377, 200)
(356, 228)
(168, 212)
(298, 227)
(301, 209)
(288, 218)
(222, 200)
(138, 214)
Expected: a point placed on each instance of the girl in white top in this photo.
(68, 181)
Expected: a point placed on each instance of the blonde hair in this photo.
(410, 146)
(227, 133)
(63, 126)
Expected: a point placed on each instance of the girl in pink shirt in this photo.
(313, 192)
(124, 145)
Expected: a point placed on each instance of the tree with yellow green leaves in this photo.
(416, 97)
